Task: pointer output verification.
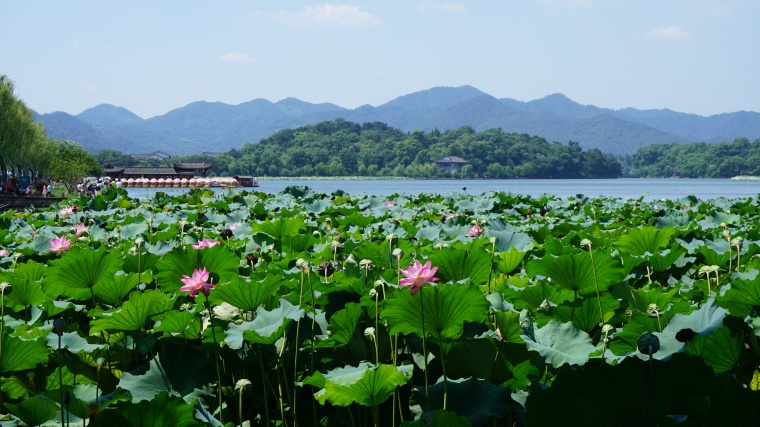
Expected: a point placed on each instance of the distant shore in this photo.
(746, 178)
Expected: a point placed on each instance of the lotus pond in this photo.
(305, 309)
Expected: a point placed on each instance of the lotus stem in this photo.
(443, 362)
(424, 345)
(264, 385)
(596, 282)
(216, 358)
(490, 266)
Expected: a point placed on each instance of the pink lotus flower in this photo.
(206, 243)
(389, 203)
(475, 231)
(59, 245)
(448, 217)
(196, 283)
(417, 275)
(3, 252)
(67, 211)
(235, 225)
(79, 229)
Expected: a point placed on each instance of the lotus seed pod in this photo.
(649, 343)
(325, 269)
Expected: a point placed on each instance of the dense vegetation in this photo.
(26, 151)
(413, 310)
(341, 148)
(698, 160)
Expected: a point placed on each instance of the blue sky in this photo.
(150, 56)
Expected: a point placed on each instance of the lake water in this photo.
(625, 188)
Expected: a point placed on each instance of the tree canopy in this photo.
(26, 150)
(698, 160)
(339, 147)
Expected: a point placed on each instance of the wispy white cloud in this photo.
(672, 32)
(328, 15)
(236, 57)
(569, 4)
(436, 6)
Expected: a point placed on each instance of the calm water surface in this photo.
(625, 188)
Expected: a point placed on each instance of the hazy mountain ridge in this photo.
(216, 126)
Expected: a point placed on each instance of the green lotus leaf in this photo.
(279, 229)
(446, 307)
(19, 354)
(299, 191)
(134, 263)
(72, 342)
(532, 296)
(342, 326)
(161, 247)
(32, 271)
(508, 324)
(79, 270)
(715, 253)
(475, 399)
(162, 411)
(266, 328)
(741, 298)
(185, 324)
(641, 299)
(113, 290)
(132, 231)
(644, 241)
(506, 241)
(509, 260)
(246, 295)
(131, 316)
(15, 388)
(34, 411)
(430, 233)
(719, 349)
(26, 293)
(175, 368)
(317, 206)
(455, 264)
(180, 262)
(577, 272)
(559, 343)
(495, 361)
(366, 384)
(586, 313)
(664, 260)
(631, 393)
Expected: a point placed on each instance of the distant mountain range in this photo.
(216, 127)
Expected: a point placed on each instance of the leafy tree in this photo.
(70, 165)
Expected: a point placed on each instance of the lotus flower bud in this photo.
(585, 243)
(370, 333)
(398, 253)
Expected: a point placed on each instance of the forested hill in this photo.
(336, 148)
(699, 160)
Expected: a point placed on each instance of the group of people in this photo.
(93, 187)
(12, 187)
